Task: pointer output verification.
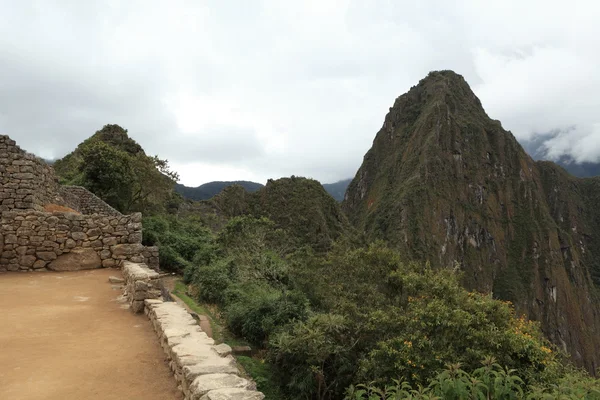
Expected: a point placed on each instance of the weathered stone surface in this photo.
(195, 360)
(233, 394)
(39, 264)
(78, 235)
(109, 263)
(27, 261)
(137, 306)
(205, 383)
(126, 249)
(115, 279)
(104, 254)
(223, 350)
(46, 255)
(76, 259)
(214, 365)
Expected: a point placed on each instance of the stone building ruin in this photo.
(31, 238)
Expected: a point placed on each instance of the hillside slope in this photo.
(445, 183)
(299, 205)
(210, 189)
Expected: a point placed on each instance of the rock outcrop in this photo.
(444, 183)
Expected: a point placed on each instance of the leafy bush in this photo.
(407, 321)
(180, 241)
(491, 381)
(212, 281)
(255, 311)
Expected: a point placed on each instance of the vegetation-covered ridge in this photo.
(453, 237)
(357, 314)
(445, 183)
(301, 206)
(115, 167)
(211, 189)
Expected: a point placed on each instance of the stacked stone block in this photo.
(139, 284)
(26, 181)
(80, 199)
(204, 371)
(33, 240)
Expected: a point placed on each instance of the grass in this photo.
(254, 367)
(181, 292)
(262, 373)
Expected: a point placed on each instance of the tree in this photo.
(128, 182)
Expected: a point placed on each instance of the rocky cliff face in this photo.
(445, 183)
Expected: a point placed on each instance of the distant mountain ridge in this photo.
(337, 190)
(211, 189)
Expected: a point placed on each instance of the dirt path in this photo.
(63, 336)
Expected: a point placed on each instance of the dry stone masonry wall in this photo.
(139, 284)
(84, 201)
(26, 181)
(33, 240)
(203, 370)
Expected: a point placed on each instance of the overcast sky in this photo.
(261, 89)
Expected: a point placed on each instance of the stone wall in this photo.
(203, 370)
(34, 240)
(139, 284)
(26, 181)
(80, 199)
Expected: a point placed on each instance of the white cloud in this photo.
(254, 90)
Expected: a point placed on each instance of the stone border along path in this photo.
(204, 371)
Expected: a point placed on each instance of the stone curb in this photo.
(203, 370)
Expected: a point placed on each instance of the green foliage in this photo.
(211, 189)
(248, 278)
(255, 311)
(116, 169)
(407, 321)
(491, 381)
(313, 358)
(262, 373)
(181, 241)
(300, 206)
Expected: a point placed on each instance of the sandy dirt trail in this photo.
(64, 336)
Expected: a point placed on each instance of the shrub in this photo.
(255, 311)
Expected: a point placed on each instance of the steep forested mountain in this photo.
(210, 189)
(299, 205)
(445, 183)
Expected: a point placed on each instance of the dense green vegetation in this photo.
(490, 381)
(211, 189)
(116, 169)
(359, 314)
(335, 313)
(299, 205)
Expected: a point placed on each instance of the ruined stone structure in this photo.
(203, 369)
(27, 182)
(31, 239)
(84, 201)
